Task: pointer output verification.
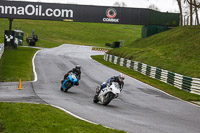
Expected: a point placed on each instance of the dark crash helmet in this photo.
(78, 67)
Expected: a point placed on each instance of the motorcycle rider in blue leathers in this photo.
(76, 71)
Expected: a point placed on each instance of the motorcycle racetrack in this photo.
(140, 108)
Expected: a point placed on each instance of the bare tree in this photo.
(191, 16)
(196, 5)
(196, 12)
(187, 20)
(154, 7)
(181, 11)
(123, 4)
(118, 4)
(188, 11)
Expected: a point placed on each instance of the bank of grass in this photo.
(40, 118)
(153, 82)
(17, 64)
(176, 50)
(55, 33)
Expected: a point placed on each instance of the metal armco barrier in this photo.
(1, 49)
(189, 84)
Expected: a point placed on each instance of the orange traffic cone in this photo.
(20, 84)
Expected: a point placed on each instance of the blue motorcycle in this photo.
(68, 82)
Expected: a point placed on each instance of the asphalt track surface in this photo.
(140, 108)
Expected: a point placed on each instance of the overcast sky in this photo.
(163, 5)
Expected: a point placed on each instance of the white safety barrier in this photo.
(1, 49)
(179, 81)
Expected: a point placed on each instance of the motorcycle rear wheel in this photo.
(95, 99)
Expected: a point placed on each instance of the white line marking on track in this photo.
(76, 116)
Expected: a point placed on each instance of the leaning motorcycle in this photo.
(68, 82)
(107, 94)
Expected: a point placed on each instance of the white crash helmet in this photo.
(121, 76)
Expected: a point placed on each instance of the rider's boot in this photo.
(99, 88)
(77, 84)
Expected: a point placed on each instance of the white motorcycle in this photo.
(107, 94)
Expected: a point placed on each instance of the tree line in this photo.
(188, 9)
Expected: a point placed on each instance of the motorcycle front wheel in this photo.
(67, 86)
(108, 97)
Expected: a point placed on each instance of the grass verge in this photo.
(40, 118)
(175, 50)
(55, 33)
(17, 63)
(153, 82)
(1, 129)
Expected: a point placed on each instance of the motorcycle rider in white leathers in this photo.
(119, 79)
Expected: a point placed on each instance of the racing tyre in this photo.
(108, 97)
(95, 99)
(67, 86)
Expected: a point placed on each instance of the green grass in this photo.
(17, 64)
(153, 82)
(176, 50)
(39, 118)
(55, 33)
